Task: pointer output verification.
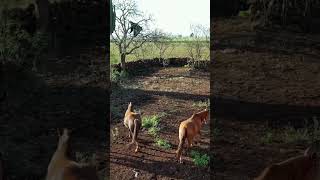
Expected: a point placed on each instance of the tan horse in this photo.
(132, 121)
(189, 128)
(302, 167)
(62, 168)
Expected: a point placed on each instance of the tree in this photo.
(132, 28)
(200, 37)
(162, 42)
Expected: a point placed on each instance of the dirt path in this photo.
(261, 88)
(175, 92)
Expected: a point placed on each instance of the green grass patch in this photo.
(244, 13)
(267, 138)
(307, 134)
(150, 121)
(153, 131)
(117, 76)
(292, 135)
(202, 104)
(149, 51)
(199, 159)
(163, 143)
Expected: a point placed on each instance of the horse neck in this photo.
(60, 153)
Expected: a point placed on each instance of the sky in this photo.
(176, 16)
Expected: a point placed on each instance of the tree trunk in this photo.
(43, 9)
(123, 61)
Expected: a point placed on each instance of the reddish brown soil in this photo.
(166, 90)
(259, 86)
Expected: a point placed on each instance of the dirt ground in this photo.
(71, 95)
(174, 91)
(263, 82)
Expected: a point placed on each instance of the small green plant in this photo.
(267, 138)
(295, 135)
(202, 104)
(244, 13)
(154, 131)
(117, 76)
(150, 121)
(163, 143)
(200, 159)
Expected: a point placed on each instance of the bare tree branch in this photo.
(126, 41)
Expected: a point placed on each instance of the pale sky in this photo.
(176, 16)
